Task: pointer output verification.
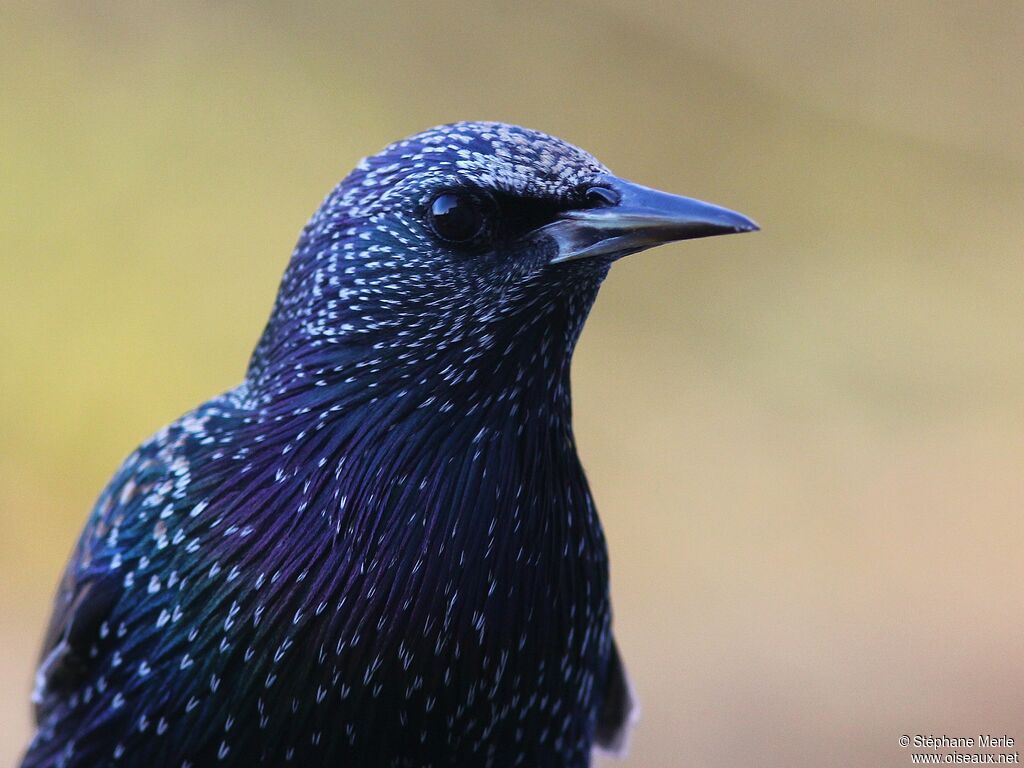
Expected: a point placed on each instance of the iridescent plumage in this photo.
(379, 549)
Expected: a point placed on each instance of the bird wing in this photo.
(82, 631)
(619, 711)
(72, 639)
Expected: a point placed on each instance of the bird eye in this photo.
(457, 217)
(600, 197)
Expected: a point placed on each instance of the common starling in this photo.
(380, 549)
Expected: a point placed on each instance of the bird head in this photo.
(463, 238)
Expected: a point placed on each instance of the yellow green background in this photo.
(807, 444)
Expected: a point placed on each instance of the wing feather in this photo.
(619, 711)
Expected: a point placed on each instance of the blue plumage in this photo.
(379, 549)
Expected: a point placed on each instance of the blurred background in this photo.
(807, 444)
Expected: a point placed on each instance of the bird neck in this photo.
(512, 357)
(413, 487)
(446, 411)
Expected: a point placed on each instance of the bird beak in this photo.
(632, 218)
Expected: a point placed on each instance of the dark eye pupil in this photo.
(456, 217)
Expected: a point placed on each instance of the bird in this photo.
(380, 549)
